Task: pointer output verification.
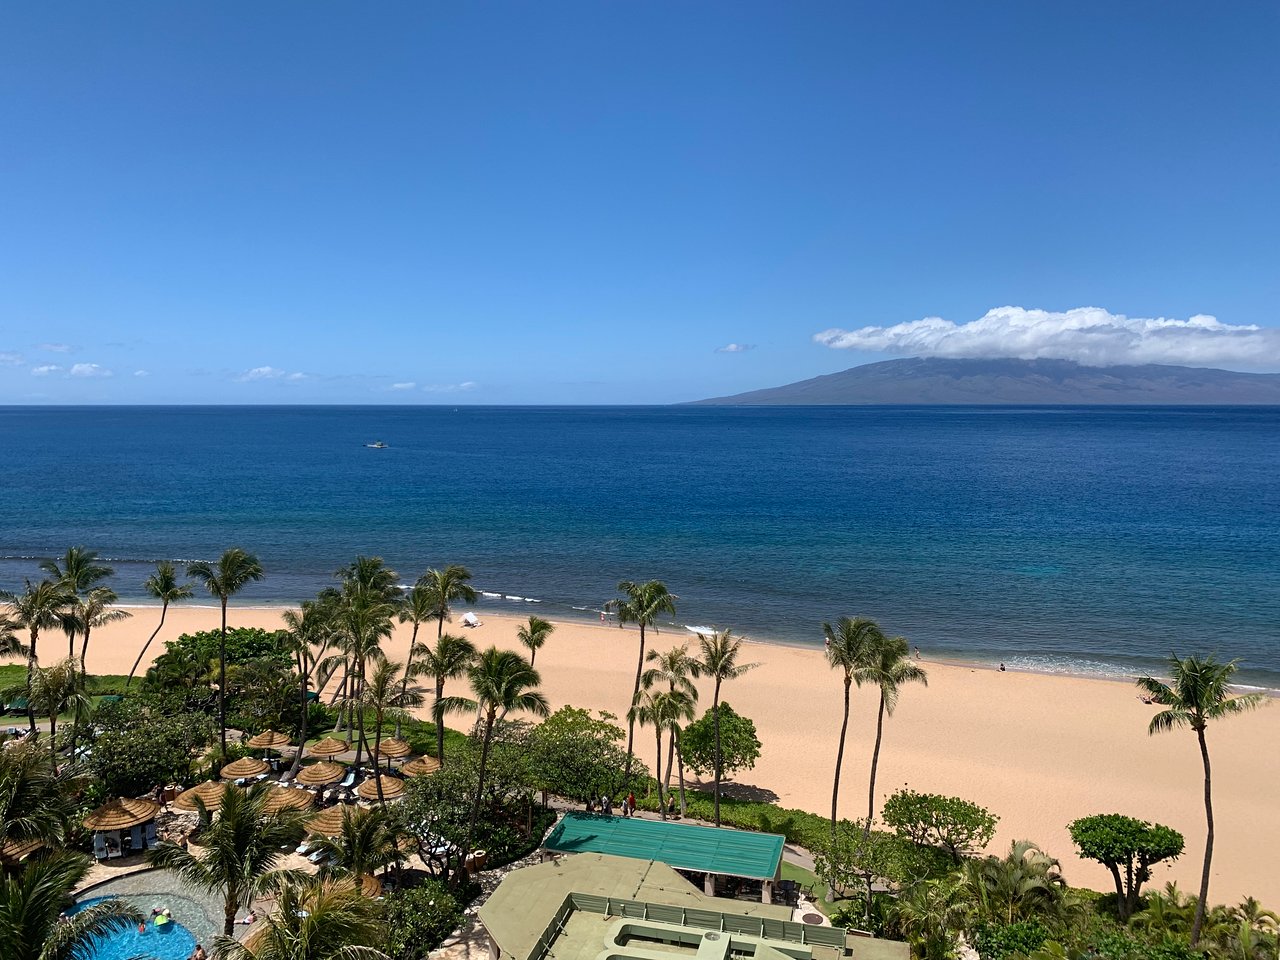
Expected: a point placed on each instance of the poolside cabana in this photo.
(737, 855)
(122, 826)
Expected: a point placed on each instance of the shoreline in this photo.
(1037, 749)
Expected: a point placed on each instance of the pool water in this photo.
(171, 941)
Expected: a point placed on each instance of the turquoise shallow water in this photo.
(1093, 539)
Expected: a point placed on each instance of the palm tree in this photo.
(417, 608)
(664, 710)
(1200, 691)
(365, 844)
(452, 657)
(720, 662)
(1023, 885)
(363, 622)
(10, 645)
(234, 571)
(641, 604)
(59, 689)
(41, 606)
(163, 585)
(533, 635)
(385, 696)
(31, 904)
(370, 575)
(445, 587)
(238, 852)
(848, 649)
(888, 667)
(92, 609)
(501, 681)
(317, 920)
(677, 670)
(78, 571)
(36, 802)
(310, 635)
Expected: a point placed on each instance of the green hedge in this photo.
(800, 827)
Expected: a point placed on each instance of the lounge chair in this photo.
(350, 780)
(150, 833)
(135, 839)
(99, 847)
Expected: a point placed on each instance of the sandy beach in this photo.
(1038, 750)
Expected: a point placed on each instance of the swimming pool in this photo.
(193, 922)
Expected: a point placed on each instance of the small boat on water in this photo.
(376, 445)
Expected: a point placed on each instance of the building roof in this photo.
(734, 853)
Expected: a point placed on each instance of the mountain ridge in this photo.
(938, 380)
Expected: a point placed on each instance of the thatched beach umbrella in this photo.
(328, 747)
(392, 787)
(394, 748)
(420, 767)
(286, 798)
(320, 774)
(244, 767)
(327, 823)
(210, 793)
(15, 851)
(121, 814)
(370, 886)
(269, 740)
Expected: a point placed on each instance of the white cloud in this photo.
(55, 347)
(142, 373)
(89, 370)
(449, 387)
(10, 359)
(736, 348)
(407, 385)
(1088, 335)
(296, 376)
(269, 373)
(45, 369)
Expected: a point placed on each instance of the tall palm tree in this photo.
(533, 635)
(238, 852)
(92, 609)
(719, 661)
(365, 844)
(663, 710)
(234, 571)
(889, 666)
(501, 681)
(41, 606)
(641, 604)
(677, 670)
(444, 587)
(363, 621)
(849, 644)
(384, 696)
(163, 585)
(31, 903)
(316, 920)
(311, 634)
(59, 689)
(452, 657)
(78, 572)
(371, 575)
(1200, 691)
(417, 608)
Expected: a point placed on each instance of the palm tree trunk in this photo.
(32, 663)
(657, 771)
(715, 709)
(53, 742)
(222, 687)
(143, 652)
(377, 772)
(408, 670)
(358, 715)
(475, 807)
(835, 786)
(635, 695)
(680, 761)
(875, 760)
(671, 758)
(305, 675)
(229, 915)
(82, 680)
(440, 722)
(1208, 843)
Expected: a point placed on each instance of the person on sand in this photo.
(1002, 668)
(918, 657)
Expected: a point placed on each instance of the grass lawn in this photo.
(800, 875)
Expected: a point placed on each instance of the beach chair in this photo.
(150, 833)
(99, 847)
(135, 839)
(350, 780)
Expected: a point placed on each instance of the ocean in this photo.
(1084, 540)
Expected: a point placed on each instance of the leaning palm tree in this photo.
(417, 607)
(238, 852)
(720, 662)
(32, 926)
(41, 606)
(445, 587)
(78, 571)
(501, 681)
(163, 585)
(677, 670)
(56, 690)
(452, 657)
(1200, 691)
(889, 666)
(316, 920)
(533, 635)
(234, 571)
(311, 634)
(641, 604)
(849, 644)
(363, 621)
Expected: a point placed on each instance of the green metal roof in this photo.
(734, 853)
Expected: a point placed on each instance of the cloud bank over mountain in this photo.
(1088, 335)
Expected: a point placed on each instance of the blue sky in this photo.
(587, 203)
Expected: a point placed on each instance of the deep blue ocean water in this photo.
(1055, 538)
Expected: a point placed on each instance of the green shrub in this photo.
(419, 919)
(998, 942)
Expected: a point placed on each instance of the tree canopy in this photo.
(958, 826)
(1128, 847)
(739, 745)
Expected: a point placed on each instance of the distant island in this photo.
(936, 380)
